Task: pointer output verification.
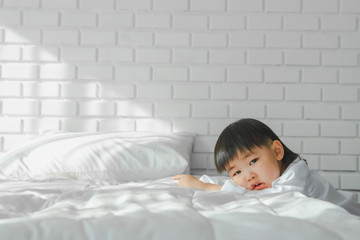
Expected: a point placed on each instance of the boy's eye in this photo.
(253, 161)
(237, 172)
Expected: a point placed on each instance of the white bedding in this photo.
(158, 209)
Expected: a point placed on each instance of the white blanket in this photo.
(158, 209)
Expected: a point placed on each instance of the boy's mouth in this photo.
(258, 186)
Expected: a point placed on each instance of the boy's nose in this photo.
(250, 176)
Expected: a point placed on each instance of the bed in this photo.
(119, 186)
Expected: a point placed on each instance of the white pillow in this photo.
(115, 157)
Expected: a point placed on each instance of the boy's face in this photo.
(257, 169)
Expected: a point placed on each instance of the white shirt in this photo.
(297, 177)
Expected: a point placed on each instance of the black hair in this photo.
(244, 135)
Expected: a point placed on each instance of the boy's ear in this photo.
(278, 149)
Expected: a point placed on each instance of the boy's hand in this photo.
(190, 181)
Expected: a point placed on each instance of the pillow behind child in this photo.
(115, 157)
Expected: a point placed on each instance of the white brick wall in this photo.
(187, 65)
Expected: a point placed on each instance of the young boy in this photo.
(258, 162)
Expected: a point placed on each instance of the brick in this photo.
(9, 53)
(153, 55)
(209, 39)
(42, 54)
(245, 5)
(9, 89)
(20, 107)
(115, 54)
(282, 75)
(41, 125)
(170, 74)
(207, 74)
(302, 57)
(58, 108)
(79, 125)
(20, 71)
(283, 40)
(21, 4)
(97, 108)
(265, 57)
(10, 125)
(301, 128)
(22, 36)
(228, 22)
(95, 72)
(199, 161)
(350, 146)
(303, 93)
(110, 125)
(172, 39)
(319, 75)
(218, 125)
(10, 17)
(172, 109)
(352, 6)
(321, 146)
(189, 56)
(350, 40)
(132, 73)
(338, 129)
(191, 91)
(245, 74)
(247, 109)
(321, 6)
(94, 4)
(63, 37)
(41, 89)
(78, 90)
(283, 5)
(178, 5)
(133, 4)
(204, 144)
(284, 110)
(350, 111)
(265, 92)
(135, 38)
(153, 125)
(134, 109)
(190, 125)
(332, 178)
(78, 19)
(154, 91)
(350, 181)
(321, 111)
(349, 75)
(340, 58)
(340, 22)
(115, 90)
(189, 21)
(267, 22)
(64, 4)
(320, 40)
(57, 71)
(221, 56)
(246, 39)
(97, 37)
(152, 21)
(207, 5)
(301, 22)
(340, 94)
(78, 54)
(116, 20)
(40, 18)
(228, 91)
(211, 109)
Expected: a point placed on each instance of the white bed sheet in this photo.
(158, 209)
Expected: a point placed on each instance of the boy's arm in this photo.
(190, 181)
